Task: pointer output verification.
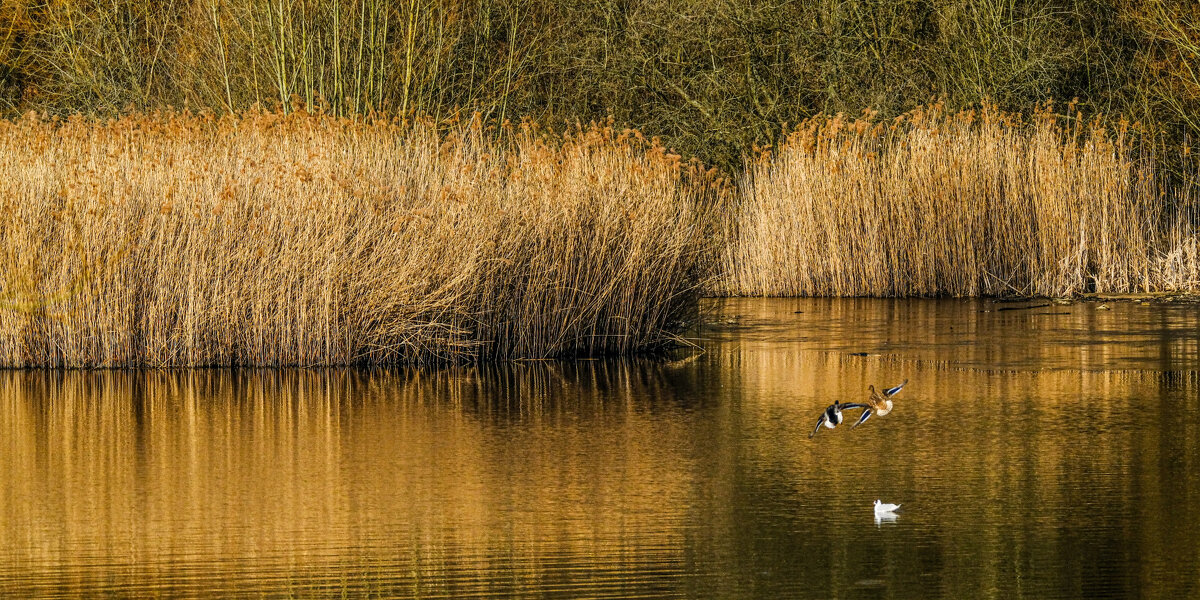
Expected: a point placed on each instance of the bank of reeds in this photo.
(264, 238)
(970, 203)
(180, 240)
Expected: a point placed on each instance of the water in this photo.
(1042, 453)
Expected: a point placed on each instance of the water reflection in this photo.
(889, 518)
(1024, 469)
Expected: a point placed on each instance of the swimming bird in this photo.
(879, 403)
(884, 509)
(832, 417)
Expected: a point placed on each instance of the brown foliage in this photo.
(970, 203)
(268, 239)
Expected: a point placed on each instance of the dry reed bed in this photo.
(180, 240)
(173, 239)
(973, 203)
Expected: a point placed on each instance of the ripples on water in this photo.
(1037, 454)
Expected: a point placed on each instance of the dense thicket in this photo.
(711, 77)
(974, 203)
(269, 239)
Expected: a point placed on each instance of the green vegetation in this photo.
(711, 78)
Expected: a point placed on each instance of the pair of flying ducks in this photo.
(879, 403)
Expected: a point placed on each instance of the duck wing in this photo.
(820, 422)
(866, 414)
(892, 391)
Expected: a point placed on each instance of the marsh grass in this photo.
(969, 203)
(173, 239)
(303, 238)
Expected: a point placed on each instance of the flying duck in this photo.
(832, 417)
(879, 403)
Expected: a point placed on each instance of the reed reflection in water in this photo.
(1044, 475)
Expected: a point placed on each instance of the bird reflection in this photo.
(881, 518)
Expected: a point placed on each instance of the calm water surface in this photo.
(1044, 453)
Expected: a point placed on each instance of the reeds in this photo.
(262, 239)
(971, 203)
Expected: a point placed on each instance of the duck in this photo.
(832, 417)
(879, 403)
(884, 509)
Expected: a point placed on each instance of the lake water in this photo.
(1038, 453)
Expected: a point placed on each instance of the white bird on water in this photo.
(882, 508)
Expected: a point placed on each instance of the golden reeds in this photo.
(972, 203)
(174, 239)
(181, 240)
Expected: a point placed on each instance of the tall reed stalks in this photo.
(971, 203)
(172, 239)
